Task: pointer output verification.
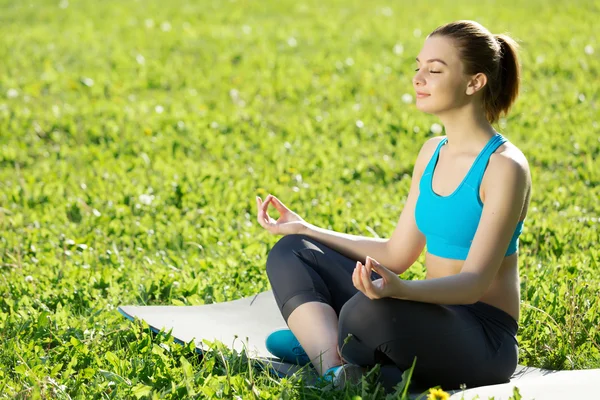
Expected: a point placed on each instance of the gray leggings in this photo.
(474, 344)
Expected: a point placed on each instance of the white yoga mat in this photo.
(253, 318)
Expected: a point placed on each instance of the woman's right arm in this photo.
(405, 245)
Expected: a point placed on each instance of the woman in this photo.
(341, 295)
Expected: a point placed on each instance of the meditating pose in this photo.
(341, 296)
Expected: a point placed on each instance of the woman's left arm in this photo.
(504, 199)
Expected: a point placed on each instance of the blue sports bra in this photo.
(449, 222)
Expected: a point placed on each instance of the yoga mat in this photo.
(253, 318)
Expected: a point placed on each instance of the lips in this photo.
(421, 94)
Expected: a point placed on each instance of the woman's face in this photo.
(442, 80)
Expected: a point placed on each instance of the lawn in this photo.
(135, 135)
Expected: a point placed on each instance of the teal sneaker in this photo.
(340, 375)
(283, 344)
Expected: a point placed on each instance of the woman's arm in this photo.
(400, 251)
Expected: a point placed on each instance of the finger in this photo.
(355, 276)
(361, 278)
(279, 206)
(263, 218)
(368, 284)
(378, 268)
(365, 276)
(264, 207)
(259, 203)
(359, 285)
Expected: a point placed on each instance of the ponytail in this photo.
(509, 76)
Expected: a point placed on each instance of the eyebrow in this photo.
(435, 59)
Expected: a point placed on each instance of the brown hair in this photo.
(493, 55)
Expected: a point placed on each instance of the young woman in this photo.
(341, 295)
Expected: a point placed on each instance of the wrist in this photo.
(306, 227)
(400, 290)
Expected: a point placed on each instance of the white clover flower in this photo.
(89, 82)
(407, 98)
(146, 199)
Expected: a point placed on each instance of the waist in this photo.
(439, 246)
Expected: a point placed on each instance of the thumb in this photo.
(279, 206)
(377, 267)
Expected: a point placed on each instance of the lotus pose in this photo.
(341, 296)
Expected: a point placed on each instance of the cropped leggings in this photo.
(474, 344)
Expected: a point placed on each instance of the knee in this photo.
(282, 250)
(360, 314)
(356, 314)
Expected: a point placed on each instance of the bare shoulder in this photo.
(427, 151)
(508, 160)
(507, 157)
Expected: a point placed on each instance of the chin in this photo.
(423, 107)
(430, 108)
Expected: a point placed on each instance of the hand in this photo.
(288, 223)
(390, 285)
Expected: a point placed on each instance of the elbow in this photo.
(476, 290)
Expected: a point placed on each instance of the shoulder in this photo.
(508, 165)
(427, 150)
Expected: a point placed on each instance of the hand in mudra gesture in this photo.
(288, 222)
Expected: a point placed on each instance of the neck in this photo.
(467, 129)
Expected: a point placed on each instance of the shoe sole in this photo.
(349, 373)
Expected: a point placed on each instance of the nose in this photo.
(417, 80)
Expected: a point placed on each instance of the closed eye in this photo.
(431, 72)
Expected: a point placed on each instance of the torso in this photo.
(504, 292)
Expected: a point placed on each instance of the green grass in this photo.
(134, 136)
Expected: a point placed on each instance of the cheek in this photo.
(441, 94)
(448, 92)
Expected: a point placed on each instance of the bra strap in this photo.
(434, 157)
(476, 175)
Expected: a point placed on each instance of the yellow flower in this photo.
(339, 200)
(147, 131)
(261, 191)
(437, 394)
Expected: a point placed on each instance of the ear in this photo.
(476, 83)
